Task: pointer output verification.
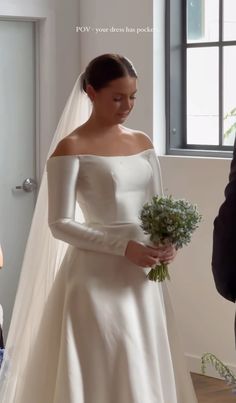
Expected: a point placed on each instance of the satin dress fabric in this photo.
(107, 333)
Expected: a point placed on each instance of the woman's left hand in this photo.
(167, 253)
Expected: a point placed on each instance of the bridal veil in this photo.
(42, 258)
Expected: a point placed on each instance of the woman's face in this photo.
(113, 103)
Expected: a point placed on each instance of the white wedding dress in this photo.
(107, 334)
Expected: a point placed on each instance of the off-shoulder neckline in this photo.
(103, 156)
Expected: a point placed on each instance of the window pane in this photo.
(202, 20)
(229, 123)
(202, 96)
(229, 20)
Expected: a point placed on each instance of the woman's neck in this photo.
(102, 126)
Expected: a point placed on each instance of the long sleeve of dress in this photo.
(157, 176)
(63, 174)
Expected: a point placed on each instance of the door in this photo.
(17, 152)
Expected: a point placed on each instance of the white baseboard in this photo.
(194, 365)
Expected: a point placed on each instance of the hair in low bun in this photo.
(105, 68)
(83, 82)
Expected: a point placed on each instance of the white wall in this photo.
(137, 47)
(205, 318)
(58, 63)
(159, 118)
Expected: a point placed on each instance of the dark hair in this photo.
(105, 68)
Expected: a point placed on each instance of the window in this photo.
(201, 76)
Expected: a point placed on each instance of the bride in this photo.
(97, 330)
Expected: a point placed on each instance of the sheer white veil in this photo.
(42, 258)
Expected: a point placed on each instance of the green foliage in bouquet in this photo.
(220, 367)
(168, 221)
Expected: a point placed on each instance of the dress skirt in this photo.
(107, 336)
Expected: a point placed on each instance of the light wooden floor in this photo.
(212, 390)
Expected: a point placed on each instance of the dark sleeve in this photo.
(232, 174)
(1, 338)
(224, 240)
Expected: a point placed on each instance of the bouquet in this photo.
(168, 221)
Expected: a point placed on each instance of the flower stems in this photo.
(159, 273)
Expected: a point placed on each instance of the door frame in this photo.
(37, 39)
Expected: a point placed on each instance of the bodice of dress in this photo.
(109, 191)
(113, 189)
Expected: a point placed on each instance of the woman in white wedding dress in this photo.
(107, 332)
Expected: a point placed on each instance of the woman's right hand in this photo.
(143, 255)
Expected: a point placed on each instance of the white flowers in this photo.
(168, 221)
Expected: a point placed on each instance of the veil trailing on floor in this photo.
(42, 258)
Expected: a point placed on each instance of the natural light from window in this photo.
(211, 75)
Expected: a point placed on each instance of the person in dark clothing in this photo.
(224, 240)
(1, 338)
(1, 335)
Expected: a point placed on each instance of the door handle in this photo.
(29, 185)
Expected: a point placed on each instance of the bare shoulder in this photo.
(142, 139)
(68, 145)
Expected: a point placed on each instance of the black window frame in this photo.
(176, 89)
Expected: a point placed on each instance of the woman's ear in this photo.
(90, 92)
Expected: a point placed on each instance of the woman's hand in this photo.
(148, 256)
(167, 253)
